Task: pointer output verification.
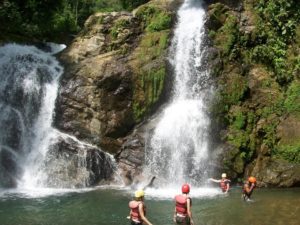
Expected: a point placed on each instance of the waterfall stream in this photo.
(177, 151)
(33, 153)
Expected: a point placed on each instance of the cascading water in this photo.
(178, 148)
(33, 153)
(27, 94)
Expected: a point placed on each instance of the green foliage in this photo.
(152, 83)
(276, 28)
(217, 15)
(64, 21)
(50, 19)
(233, 90)
(239, 120)
(238, 138)
(160, 22)
(108, 6)
(10, 17)
(290, 153)
(292, 101)
(119, 25)
(269, 132)
(131, 4)
(281, 15)
(227, 35)
(154, 18)
(239, 135)
(150, 79)
(116, 5)
(45, 19)
(251, 116)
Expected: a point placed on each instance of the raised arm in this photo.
(214, 180)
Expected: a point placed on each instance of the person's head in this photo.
(252, 180)
(185, 189)
(224, 175)
(139, 194)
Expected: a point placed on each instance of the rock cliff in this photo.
(115, 76)
(254, 60)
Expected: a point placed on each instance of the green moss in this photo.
(161, 22)
(238, 138)
(292, 101)
(151, 86)
(118, 26)
(290, 153)
(233, 90)
(150, 71)
(268, 38)
(217, 15)
(227, 35)
(239, 120)
(154, 18)
(276, 29)
(239, 163)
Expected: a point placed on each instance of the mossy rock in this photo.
(239, 164)
(227, 36)
(291, 152)
(292, 100)
(217, 16)
(150, 71)
(154, 18)
(234, 89)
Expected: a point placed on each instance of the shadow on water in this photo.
(110, 206)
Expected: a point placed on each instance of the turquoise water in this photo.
(110, 206)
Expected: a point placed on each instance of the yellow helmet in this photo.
(224, 175)
(139, 194)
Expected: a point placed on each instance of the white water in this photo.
(177, 152)
(28, 90)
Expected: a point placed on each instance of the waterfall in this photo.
(32, 152)
(177, 151)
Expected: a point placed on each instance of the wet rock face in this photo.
(70, 164)
(95, 103)
(272, 172)
(131, 158)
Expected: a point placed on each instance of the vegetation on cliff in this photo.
(149, 58)
(257, 68)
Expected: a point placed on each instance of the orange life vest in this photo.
(134, 213)
(181, 204)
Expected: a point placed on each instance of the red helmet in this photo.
(185, 188)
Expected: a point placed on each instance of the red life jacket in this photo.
(223, 184)
(134, 213)
(181, 204)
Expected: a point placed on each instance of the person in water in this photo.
(248, 188)
(224, 183)
(137, 207)
(182, 212)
